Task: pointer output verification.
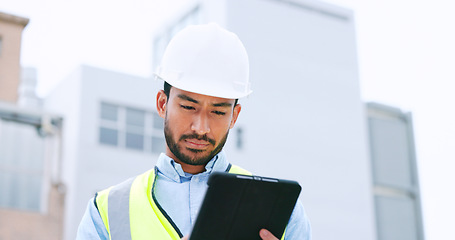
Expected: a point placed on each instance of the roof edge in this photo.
(14, 19)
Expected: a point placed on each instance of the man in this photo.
(205, 71)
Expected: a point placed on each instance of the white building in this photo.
(106, 116)
(304, 121)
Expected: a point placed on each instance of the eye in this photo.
(219, 113)
(187, 107)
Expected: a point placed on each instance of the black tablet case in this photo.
(236, 207)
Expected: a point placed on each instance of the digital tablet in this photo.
(237, 207)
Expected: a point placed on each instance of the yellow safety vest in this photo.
(130, 210)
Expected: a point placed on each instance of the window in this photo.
(131, 128)
(109, 130)
(108, 136)
(157, 136)
(135, 125)
(109, 112)
(21, 172)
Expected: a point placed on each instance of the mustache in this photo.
(198, 137)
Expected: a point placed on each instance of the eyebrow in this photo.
(222, 104)
(187, 98)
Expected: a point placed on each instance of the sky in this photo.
(406, 55)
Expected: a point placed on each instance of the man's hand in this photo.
(184, 238)
(266, 235)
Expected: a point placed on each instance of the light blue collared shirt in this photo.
(181, 194)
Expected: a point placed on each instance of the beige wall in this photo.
(10, 33)
(24, 225)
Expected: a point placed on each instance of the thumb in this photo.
(266, 235)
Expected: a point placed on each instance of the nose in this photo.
(200, 124)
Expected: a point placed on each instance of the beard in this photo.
(199, 157)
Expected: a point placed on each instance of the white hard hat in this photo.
(208, 60)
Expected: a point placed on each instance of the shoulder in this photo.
(299, 226)
(91, 225)
(140, 182)
(143, 178)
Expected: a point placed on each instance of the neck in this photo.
(188, 168)
(191, 169)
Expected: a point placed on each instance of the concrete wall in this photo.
(10, 39)
(26, 225)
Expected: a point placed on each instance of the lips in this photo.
(197, 144)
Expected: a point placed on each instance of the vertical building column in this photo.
(10, 47)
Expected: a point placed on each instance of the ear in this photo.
(161, 100)
(235, 115)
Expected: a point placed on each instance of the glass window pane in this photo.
(108, 136)
(391, 159)
(27, 137)
(5, 186)
(158, 144)
(21, 191)
(33, 198)
(109, 112)
(135, 117)
(396, 218)
(135, 141)
(15, 186)
(158, 122)
(21, 171)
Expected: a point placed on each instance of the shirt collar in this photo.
(173, 170)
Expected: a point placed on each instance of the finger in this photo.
(185, 238)
(266, 235)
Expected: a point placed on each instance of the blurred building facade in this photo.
(306, 100)
(304, 121)
(31, 194)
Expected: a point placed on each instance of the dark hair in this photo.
(167, 90)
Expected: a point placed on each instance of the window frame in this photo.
(123, 128)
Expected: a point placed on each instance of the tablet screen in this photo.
(236, 207)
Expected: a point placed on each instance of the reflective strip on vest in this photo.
(130, 212)
(118, 210)
(237, 170)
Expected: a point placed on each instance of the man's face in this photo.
(196, 126)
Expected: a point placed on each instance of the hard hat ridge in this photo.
(207, 59)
